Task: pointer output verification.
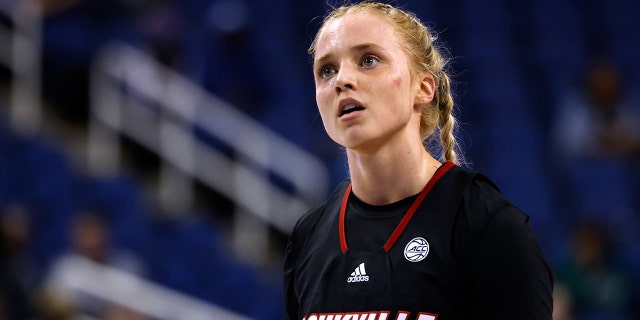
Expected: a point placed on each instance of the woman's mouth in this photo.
(350, 108)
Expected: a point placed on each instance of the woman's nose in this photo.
(345, 79)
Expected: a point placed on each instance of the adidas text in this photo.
(358, 275)
(358, 278)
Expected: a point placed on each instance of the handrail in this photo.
(20, 52)
(159, 108)
(75, 276)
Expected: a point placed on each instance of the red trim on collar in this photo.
(343, 211)
(405, 220)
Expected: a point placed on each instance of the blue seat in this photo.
(190, 257)
(558, 43)
(119, 199)
(602, 191)
(620, 19)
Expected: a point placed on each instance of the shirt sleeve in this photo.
(509, 277)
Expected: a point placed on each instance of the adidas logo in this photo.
(359, 275)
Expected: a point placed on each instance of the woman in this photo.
(407, 236)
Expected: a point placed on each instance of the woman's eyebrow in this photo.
(357, 48)
(366, 46)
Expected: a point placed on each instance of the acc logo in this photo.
(416, 250)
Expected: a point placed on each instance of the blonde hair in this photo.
(437, 116)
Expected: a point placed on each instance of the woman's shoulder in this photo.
(319, 212)
(315, 220)
(485, 195)
(483, 203)
(488, 226)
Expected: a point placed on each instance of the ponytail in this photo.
(447, 122)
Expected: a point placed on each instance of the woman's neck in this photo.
(391, 173)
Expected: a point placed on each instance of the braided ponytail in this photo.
(437, 117)
(447, 122)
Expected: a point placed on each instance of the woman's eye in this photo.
(327, 71)
(369, 61)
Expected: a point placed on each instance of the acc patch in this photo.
(416, 250)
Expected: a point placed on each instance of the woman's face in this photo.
(364, 89)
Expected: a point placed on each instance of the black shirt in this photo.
(465, 252)
(370, 225)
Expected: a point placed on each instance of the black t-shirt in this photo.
(462, 251)
(370, 225)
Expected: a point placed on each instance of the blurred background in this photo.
(154, 154)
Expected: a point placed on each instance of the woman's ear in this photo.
(426, 90)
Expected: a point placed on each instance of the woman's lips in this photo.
(348, 106)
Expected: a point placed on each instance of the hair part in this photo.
(437, 119)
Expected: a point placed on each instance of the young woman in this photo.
(407, 236)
